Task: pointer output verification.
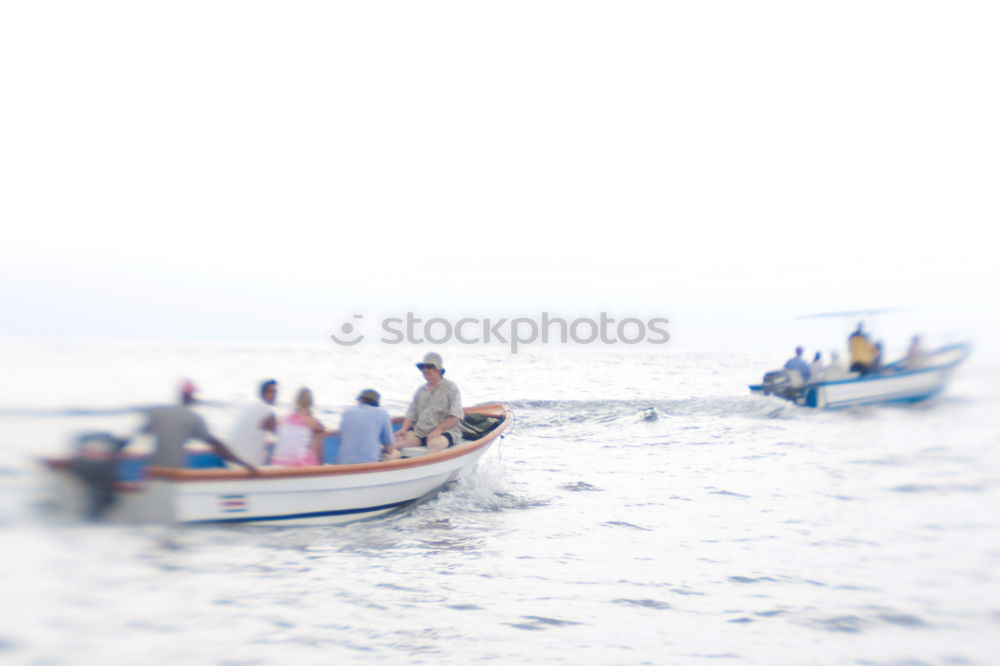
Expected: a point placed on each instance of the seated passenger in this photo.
(250, 434)
(433, 416)
(364, 430)
(877, 366)
(915, 354)
(300, 435)
(816, 368)
(835, 369)
(863, 352)
(798, 364)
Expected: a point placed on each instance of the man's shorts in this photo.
(451, 442)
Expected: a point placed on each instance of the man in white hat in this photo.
(433, 416)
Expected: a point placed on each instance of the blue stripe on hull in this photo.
(881, 401)
(296, 516)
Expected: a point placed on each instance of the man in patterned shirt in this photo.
(433, 416)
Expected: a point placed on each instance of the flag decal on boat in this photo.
(233, 503)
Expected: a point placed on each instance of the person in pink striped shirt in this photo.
(299, 435)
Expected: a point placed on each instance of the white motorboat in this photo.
(322, 494)
(895, 382)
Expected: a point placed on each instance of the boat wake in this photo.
(556, 414)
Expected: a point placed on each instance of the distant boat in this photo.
(322, 494)
(893, 383)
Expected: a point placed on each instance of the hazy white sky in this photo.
(256, 170)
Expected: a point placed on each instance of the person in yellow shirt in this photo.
(863, 352)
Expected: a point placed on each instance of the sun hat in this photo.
(433, 360)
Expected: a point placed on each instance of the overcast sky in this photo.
(262, 170)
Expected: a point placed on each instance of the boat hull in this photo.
(320, 495)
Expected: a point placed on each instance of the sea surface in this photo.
(643, 509)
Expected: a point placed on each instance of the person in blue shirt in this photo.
(364, 430)
(798, 363)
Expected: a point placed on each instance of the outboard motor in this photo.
(783, 383)
(96, 464)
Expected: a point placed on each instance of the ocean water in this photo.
(643, 509)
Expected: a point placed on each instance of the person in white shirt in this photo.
(816, 368)
(915, 354)
(835, 370)
(251, 432)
